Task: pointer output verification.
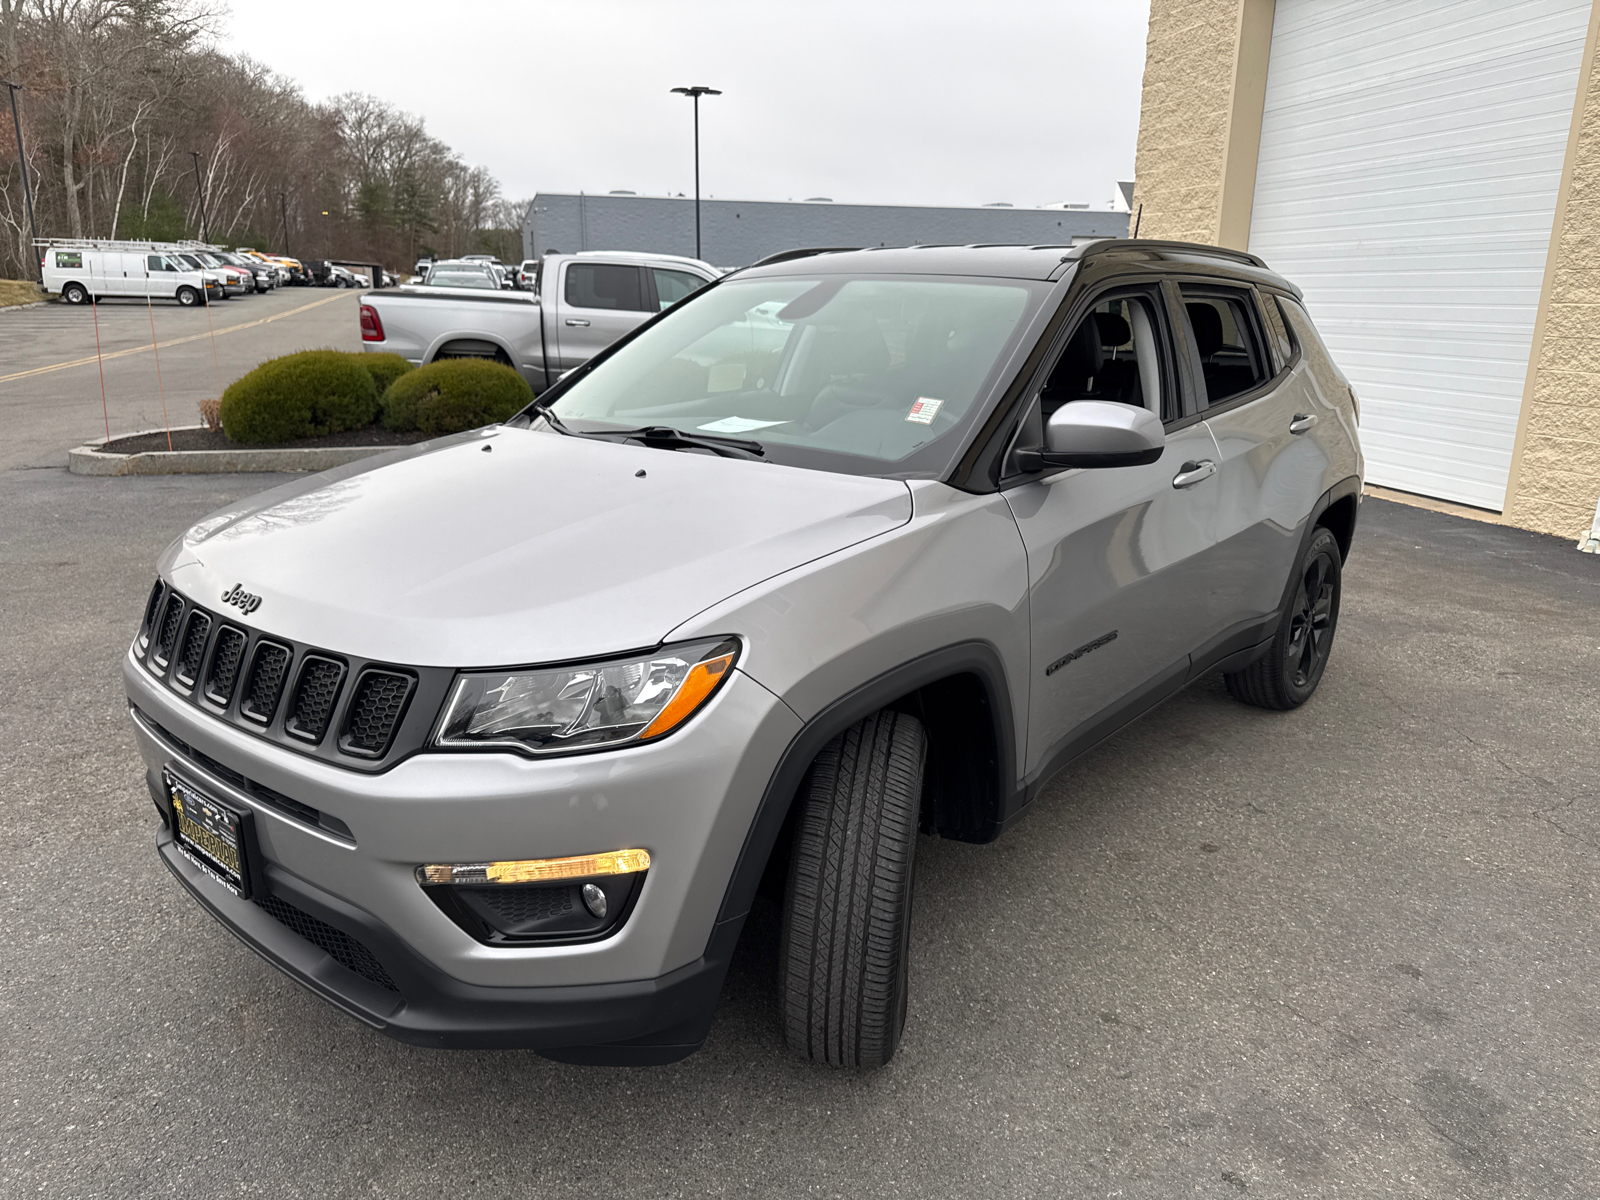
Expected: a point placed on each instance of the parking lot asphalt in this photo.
(1348, 951)
(50, 398)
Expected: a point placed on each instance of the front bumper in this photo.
(650, 986)
(634, 1023)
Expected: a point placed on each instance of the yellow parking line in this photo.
(194, 337)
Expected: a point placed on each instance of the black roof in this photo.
(1041, 262)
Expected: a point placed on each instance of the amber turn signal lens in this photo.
(537, 870)
(692, 693)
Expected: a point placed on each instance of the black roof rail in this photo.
(1243, 256)
(803, 252)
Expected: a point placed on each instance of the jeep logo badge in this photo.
(241, 599)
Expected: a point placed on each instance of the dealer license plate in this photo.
(210, 834)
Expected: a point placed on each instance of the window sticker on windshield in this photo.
(924, 410)
(737, 425)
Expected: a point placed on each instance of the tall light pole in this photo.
(694, 93)
(22, 161)
(200, 188)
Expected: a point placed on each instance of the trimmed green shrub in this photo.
(384, 368)
(299, 395)
(454, 394)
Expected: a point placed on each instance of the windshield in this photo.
(871, 373)
(465, 277)
(190, 260)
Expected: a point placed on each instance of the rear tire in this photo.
(75, 293)
(1289, 672)
(847, 911)
(188, 297)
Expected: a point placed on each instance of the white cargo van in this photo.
(83, 271)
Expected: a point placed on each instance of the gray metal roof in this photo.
(737, 232)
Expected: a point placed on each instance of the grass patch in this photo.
(19, 291)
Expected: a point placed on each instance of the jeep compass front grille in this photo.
(167, 636)
(225, 659)
(266, 682)
(375, 712)
(314, 697)
(359, 714)
(194, 648)
(152, 607)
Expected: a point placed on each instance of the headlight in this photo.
(586, 707)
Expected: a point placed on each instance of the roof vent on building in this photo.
(621, 192)
(819, 199)
(999, 204)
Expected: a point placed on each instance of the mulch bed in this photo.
(204, 439)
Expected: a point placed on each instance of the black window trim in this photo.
(1200, 286)
(1078, 308)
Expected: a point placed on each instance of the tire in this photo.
(847, 909)
(75, 293)
(188, 297)
(1294, 663)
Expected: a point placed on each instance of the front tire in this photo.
(1289, 672)
(75, 293)
(847, 912)
(188, 297)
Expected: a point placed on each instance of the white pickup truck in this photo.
(580, 304)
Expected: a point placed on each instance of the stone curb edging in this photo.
(91, 459)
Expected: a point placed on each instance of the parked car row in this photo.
(506, 276)
(190, 273)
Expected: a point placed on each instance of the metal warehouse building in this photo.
(737, 232)
(1429, 172)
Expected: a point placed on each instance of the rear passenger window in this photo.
(1232, 358)
(605, 285)
(1277, 331)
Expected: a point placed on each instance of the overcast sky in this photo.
(874, 101)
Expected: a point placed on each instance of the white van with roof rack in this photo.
(81, 271)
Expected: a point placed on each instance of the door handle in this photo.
(1193, 472)
(1302, 422)
(583, 322)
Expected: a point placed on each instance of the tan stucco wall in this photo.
(1205, 80)
(1556, 470)
(1183, 117)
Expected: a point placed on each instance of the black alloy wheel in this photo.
(1287, 675)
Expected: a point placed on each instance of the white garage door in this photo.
(1411, 151)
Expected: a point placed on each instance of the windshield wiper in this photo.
(668, 438)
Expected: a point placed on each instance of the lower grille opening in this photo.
(335, 943)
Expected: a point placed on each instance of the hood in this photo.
(510, 546)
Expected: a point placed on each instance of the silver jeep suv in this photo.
(492, 741)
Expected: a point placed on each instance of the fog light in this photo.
(539, 870)
(594, 900)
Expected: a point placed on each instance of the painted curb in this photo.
(90, 459)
